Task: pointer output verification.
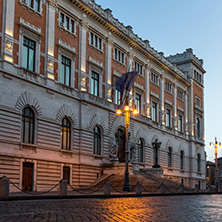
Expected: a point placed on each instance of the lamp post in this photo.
(127, 110)
(216, 168)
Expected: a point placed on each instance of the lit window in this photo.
(28, 120)
(138, 102)
(154, 78)
(154, 111)
(95, 84)
(28, 58)
(66, 134)
(95, 41)
(168, 117)
(97, 141)
(66, 71)
(140, 150)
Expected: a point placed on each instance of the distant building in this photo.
(210, 170)
(59, 62)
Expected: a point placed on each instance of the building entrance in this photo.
(27, 176)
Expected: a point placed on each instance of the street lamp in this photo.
(126, 109)
(216, 168)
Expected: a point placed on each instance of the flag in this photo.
(125, 82)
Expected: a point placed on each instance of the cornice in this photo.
(105, 18)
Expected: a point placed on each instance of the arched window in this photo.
(170, 157)
(28, 123)
(181, 159)
(198, 127)
(198, 162)
(66, 134)
(97, 141)
(140, 150)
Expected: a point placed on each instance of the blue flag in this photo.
(125, 82)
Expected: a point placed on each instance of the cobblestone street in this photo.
(171, 208)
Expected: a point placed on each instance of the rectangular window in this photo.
(197, 76)
(154, 111)
(180, 123)
(66, 71)
(95, 84)
(198, 101)
(154, 78)
(117, 97)
(67, 23)
(34, 4)
(168, 87)
(95, 41)
(119, 56)
(168, 117)
(28, 57)
(37, 5)
(138, 68)
(138, 102)
(180, 95)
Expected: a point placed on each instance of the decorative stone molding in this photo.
(138, 86)
(66, 46)
(97, 120)
(96, 62)
(8, 46)
(28, 99)
(67, 111)
(53, 3)
(29, 26)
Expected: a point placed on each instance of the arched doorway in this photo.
(120, 140)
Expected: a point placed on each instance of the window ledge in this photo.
(66, 30)
(66, 152)
(154, 84)
(92, 46)
(31, 9)
(119, 62)
(28, 146)
(97, 156)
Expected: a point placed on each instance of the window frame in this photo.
(97, 141)
(155, 109)
(169, 155)
(70, 70)
(93, 81)
(198, 127)
(138, 102)
(27, 58)
(33, 7)
(168, 87)
(154, 78)
(119, 56)
(63, 17)
(138, 68)
(181, 160)
(31, 124)
(198, 163)
(180, 123)
(168, 118)
(67, 134)
(141, 150)
(96, 41)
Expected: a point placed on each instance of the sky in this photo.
(172, 26)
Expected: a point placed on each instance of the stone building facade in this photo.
(59, 62)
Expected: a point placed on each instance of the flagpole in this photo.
(126, 186)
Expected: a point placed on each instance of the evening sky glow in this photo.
(172, 26)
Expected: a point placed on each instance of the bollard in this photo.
(181, 188)
(107, 188)
(63, 188)
(196, 189)
(138, 188)
(4, 187)
(162, 188)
